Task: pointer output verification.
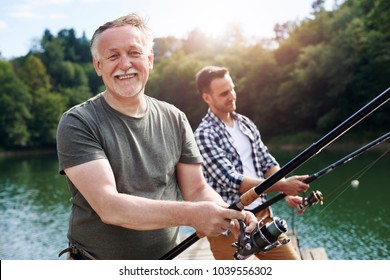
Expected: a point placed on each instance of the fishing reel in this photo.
(262, 239)
(313, 198)
(265, 236)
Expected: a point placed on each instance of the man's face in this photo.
(124, 61)
(222, 97)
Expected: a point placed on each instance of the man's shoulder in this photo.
(207, 126)
(163, 105)
(83, 110)
(203, 126)
(245, 120)
(85, 106)
(242, 117)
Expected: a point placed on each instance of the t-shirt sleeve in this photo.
(190, 151)
(76, 141)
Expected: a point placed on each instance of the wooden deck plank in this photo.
(307, 253)
(314, 254)
(200, 250)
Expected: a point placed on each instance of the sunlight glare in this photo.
(216, 18)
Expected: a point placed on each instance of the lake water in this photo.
(353, 223)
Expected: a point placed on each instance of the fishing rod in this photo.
(251, 195)
(265, 237)
(316, 196)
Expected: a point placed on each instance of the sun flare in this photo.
(219, 18)
(216, 18)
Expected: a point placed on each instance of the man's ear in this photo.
(151, 59)
(206, 97)
(97, 65)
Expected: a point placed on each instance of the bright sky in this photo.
(23, 21)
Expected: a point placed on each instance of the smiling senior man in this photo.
(128, 157)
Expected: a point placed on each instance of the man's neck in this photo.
(226, 118)
(131, 106)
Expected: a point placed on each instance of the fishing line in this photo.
(356, 176)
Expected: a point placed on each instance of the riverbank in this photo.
(290, 143)
(32, 152)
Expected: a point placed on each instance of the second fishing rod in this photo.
(265, 236)
(316, 196)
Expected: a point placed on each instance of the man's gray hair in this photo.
(130, 19)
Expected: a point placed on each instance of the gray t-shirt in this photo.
(143, 153)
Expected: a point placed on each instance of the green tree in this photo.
(164, 83)
(73, 75)
(48, 108)
(358, 61)
(15, 101)
(33, 73)
(165, 47)
(311, 76)
(75, 95)
(53, 56)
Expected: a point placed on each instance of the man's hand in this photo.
(250, 222)
(212, 218)
(294, 202)
(293, 185)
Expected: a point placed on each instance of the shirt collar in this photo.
(214, 119)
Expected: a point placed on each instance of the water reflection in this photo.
(34, 205)
(353, 223)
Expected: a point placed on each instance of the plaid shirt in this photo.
(222, 166)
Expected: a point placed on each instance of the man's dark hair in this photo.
(206, 75)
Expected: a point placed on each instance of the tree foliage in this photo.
(15, 100)
(310, 76)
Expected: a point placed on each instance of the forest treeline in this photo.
(309, 77)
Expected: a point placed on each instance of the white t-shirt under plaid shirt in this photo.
(222, 166)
